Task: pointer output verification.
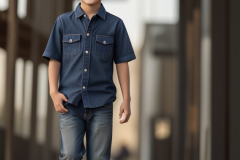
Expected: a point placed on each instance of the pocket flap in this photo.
(104, 39)
(71, 38)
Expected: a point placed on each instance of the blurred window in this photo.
(3, 64)
(27, 99)
(3, 5)
(22, 8)
(42, 103)
(18, 91)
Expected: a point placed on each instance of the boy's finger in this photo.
(65, 98)
(120, 113)
(128, 118)
(123, 121)
(63, 109)
(125, 117)
(57, 108)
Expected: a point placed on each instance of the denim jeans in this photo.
(96, 122)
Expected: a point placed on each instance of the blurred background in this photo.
(184, 83)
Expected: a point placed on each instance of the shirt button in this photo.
(104, 42)
(84, 15)
(85, 70)
(86, 51)
(83, 87)
(87, 34)
(70, 40)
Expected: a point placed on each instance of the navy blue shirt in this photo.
(87, 49)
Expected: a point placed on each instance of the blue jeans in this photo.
(96, 122)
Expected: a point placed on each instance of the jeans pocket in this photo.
(64, 103)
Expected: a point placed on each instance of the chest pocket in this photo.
(71, 44)
(103, 46)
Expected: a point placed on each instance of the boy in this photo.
(82, 47)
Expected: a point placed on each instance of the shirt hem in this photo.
(126, 58)
(77, 100)
(47, 55)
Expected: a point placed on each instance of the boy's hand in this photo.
(58, 98)
(125, 108)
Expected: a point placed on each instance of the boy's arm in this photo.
(124, 80)
(53, 53)
(53, 74)
(123, 53)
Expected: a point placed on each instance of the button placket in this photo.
(86, 61)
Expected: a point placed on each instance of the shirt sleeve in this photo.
(123, 50)
(54, 45)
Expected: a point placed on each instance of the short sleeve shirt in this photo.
(87, 50)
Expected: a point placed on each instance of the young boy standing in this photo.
(82, 47)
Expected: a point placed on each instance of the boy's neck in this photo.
(90, 9)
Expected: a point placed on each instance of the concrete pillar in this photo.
(12, 47)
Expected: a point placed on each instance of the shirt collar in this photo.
(79, 12)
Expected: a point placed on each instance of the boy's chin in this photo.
(91, 2)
